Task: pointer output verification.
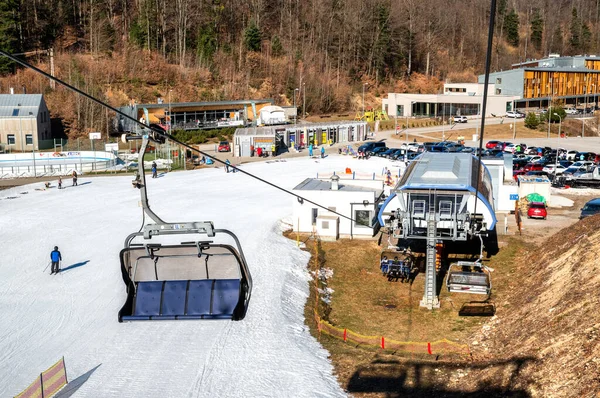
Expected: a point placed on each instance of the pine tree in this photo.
(586, 38)
(9, 16)
(537, 30)
(252, 37)
(575, 29)
(532, 121)
(511, 23)
(382, 45)
(276, 46)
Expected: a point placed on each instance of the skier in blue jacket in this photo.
(56, 259)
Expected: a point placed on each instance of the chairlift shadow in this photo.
(478, 308)
(74, 385)
(77, 265)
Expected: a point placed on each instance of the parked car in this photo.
(369, 146)
(517, 173)
(460, 119)
(377, 150)
(572, 111)
(590, 208)
(439, 148)
(533, 167)
(491, 144)
(515, 114)
(549, 168)
(453, 146)
(224, 146)
(429, 145)
(591, 156)
(538, 173)
(386, 154)
(571, 155)
(537, 210)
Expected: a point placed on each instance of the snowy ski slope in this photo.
(42, 317)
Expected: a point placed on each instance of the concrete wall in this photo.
(510, 83)
(341, 201)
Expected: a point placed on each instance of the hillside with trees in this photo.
(223, 49)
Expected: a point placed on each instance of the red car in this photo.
(533, 167)
(537, 210)
(492, 144)
(224, 146)
(517, 173)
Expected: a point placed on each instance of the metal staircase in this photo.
(430, 299)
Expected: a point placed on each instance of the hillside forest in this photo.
(319, 54)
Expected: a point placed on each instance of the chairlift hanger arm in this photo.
(158, 133)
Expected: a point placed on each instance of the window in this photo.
(498, 80)
(28, 139)
(400, 110)
(362, 218)
(325, 225)
(11, 139)
(445, 209)
(419, 208)
(15, 112)
(315, 213)
(498, 91)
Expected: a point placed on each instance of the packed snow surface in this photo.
(74, 314)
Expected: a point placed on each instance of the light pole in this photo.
(584, 110)
(295, 109)
(304, 99)
(557, 144)
(550, 104)
(363, 99)
(32, 147)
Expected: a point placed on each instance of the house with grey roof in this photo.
(24, 123)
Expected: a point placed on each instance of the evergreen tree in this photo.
(252, 37)
(206, 43)
(537, 30)
(586, 38)
(276, 46)
(532, 121)
(382, 45)
(9, 16)
(575, 30)
(557, 39)
(511, 24)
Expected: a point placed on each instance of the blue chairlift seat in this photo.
(174, 300)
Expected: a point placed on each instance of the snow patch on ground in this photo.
(74, 314)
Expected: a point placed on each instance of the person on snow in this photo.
(227, 163)
(310, 151)
(154, 170)
(56, 258)
(59, 182)
(74, 178)
(322, 152)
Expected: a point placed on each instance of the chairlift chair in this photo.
(469, 277)
(194, 279)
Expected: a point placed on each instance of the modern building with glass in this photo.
(458, 99)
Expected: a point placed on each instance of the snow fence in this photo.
(48, 383)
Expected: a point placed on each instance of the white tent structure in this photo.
(271, 114)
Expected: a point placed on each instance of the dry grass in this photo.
(365, 302)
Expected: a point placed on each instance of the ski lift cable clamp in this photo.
(165, 135)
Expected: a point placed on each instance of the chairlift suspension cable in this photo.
(170, 137)
(488, 58)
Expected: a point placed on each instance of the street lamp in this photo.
(363, 99)
(406, 145)
(295, 109)
(304, 99)
(584, 110)
(557, 144)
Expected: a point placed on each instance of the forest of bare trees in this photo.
(268, 48)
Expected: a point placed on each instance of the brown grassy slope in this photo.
(552, 312)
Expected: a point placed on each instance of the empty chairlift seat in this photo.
(473, 278)
(196, 287)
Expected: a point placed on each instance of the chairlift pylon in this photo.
(196, 279)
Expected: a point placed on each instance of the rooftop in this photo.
(15, 105)
(313, 184)
(199, 104)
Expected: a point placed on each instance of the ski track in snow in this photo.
(74, 314)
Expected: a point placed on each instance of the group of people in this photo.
(310, 151)
(60, 182)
